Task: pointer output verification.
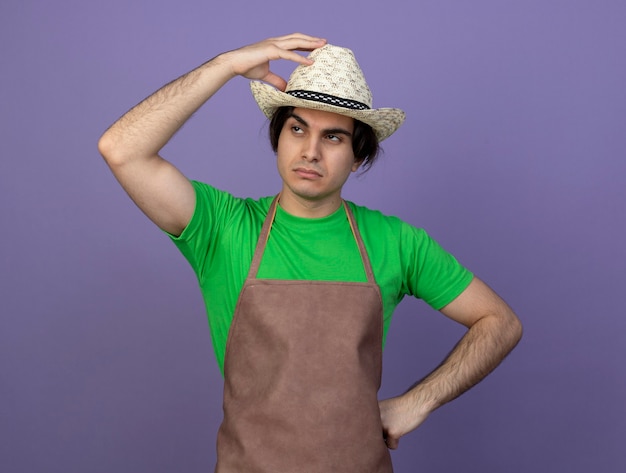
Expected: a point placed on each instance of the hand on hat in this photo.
(253, 61)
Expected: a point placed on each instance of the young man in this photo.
(300, 288)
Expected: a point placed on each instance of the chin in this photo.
(305, 193)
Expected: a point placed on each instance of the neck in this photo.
(305, 208)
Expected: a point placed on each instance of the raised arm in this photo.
(132, 144)
(494, 330)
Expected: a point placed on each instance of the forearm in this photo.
(146, 128)
(478, 353)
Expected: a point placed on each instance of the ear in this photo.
(356, 165)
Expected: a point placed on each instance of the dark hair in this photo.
(365, 144)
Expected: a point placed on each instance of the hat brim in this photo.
(384, 121)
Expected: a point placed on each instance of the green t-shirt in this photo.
(220, 239)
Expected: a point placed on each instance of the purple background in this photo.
(512, 156)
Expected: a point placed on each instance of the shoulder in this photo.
(390, 235)
(368, 218)
(226, 204)
(217, 211)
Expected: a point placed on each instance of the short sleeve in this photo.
(197, 240)
(432, 274)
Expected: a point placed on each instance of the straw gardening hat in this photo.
(333, 83)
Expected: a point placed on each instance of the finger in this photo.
(279, 52)
(275, 80)
(295, 57)
(298, 42)
(392, 443)
(300, 37)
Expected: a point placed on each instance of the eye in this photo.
(334, 138)
(296, 129)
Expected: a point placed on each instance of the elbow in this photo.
(106, 147)
(514, 330)
(112, 151)
(108, 150)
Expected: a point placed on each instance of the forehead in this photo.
(323, 119)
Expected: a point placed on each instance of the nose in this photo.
(311, 149)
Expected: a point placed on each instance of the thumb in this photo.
(392, 442)
(275, 80)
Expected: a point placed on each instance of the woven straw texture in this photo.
(333, 83)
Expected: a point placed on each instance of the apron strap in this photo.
(262, 241)
(359, 241)
(265, 233)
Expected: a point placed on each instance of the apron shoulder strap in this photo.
(262, 241)
(359, 241)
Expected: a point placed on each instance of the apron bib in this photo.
(302, 372)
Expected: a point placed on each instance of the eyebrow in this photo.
(327, 131)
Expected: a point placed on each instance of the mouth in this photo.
(307, 173)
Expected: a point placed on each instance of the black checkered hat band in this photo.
(328, 99)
